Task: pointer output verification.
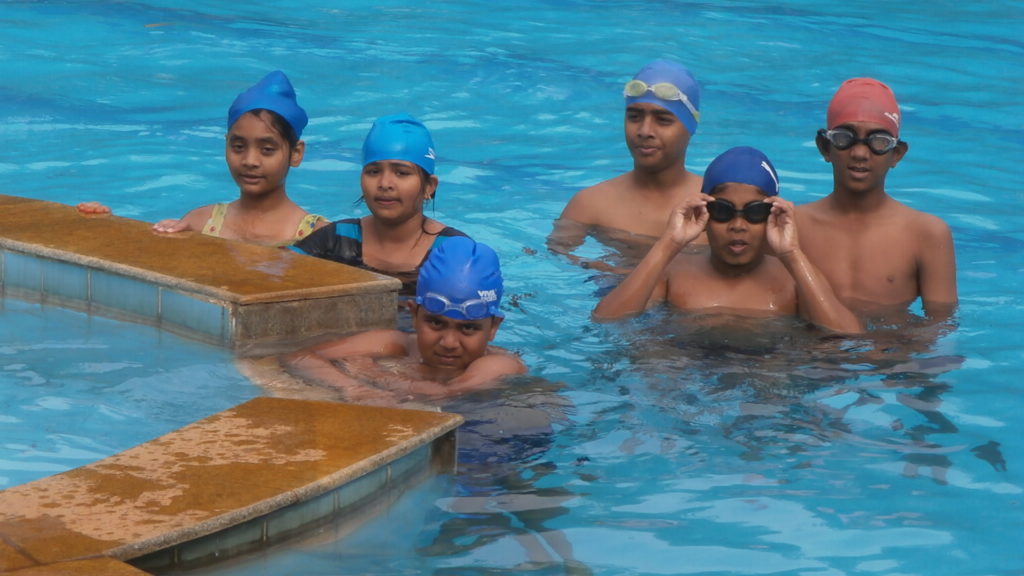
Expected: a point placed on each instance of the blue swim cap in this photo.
(742, 165)
(275, 93)
(676, 74)
(399, 137)
(461, 279)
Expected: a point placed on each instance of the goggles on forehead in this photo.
(663, 90)
(843, 139)
(754, 212)
(435, 303)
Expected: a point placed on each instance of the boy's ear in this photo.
(411, 306)
(899, 152)
(495, 322)
(823, 146)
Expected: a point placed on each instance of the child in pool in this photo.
(397, 178)
(743, 216)
(878, 253)
(455, 316)
(661, 116)
(264, 126)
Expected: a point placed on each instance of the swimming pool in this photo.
(754, 451)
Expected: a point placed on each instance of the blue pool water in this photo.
(757, 449)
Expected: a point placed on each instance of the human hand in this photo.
(171, 226)
(688, 220)
(93, 208)
(781, 229)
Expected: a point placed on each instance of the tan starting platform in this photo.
(242, 479)
(219, 291)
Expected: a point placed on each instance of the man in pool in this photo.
(874, 250)
(662, 113)
(455, 317)
(743, 216)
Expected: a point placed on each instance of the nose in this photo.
(644, 128)
(449, 340)
(860, 149)
(251, 156)
(386, 180)
(738, 222)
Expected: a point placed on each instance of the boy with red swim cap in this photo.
(878, 254)
(744, 217)
(661, 116)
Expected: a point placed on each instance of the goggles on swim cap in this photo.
(663, 90)
(474, 309)
(754, 212)
(460, 279)
(843, 139)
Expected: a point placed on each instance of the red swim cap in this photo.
(864, 100)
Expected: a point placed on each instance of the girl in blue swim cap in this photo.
(263, 143)
(397, 179)
(265, 124)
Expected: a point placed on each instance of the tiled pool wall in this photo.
(219, 322)
(48, 281)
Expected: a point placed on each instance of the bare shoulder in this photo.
(812, 211)
(496, 363)
(927, 223)
(433, 226)
(371, 343)
(197, 217)
(593, 204)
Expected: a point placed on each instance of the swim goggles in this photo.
(435, 303)
(754, 212)
(843, 139)
(663, 90)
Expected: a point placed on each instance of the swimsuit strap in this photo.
(308, 224)
(216, 221)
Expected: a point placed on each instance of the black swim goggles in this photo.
(754, 212)
(843, 139)
(435, 303)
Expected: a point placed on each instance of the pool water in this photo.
(676, 445)
(76, 388)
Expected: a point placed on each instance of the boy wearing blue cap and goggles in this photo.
(455, 316)
(662, 114)
(743, 216)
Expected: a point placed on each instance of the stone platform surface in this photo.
(226, 292)
(244, 467)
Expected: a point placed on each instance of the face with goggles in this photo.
(656, 137)
(879, 143)
(664, 91)
(447, 344)
(736, 226)
(861, 154)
